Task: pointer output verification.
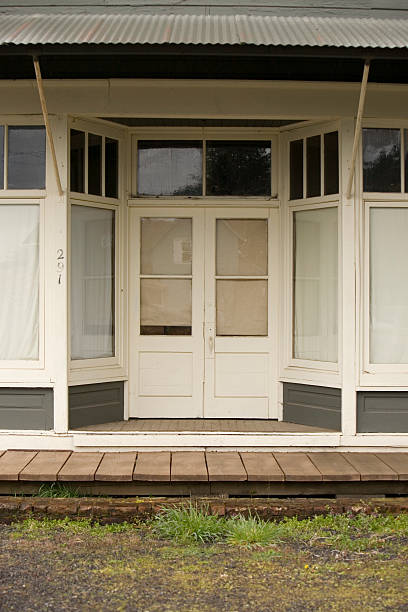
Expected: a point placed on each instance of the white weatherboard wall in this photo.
(318, 102)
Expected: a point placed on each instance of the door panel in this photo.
(203, 313)
(237, 326)
(166, 313)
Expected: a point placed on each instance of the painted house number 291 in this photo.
(60, 264)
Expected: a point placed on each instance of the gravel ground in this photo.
(135, 571)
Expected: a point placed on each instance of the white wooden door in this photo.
(240, 311)
(203, 313)
(166, 284)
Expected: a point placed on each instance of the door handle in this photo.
(211, 343)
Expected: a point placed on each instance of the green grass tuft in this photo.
(188, 525)
(251, 531)
(57, 489)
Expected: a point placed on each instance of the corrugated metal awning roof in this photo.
(84, 29)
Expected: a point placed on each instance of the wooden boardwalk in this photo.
(189, 472)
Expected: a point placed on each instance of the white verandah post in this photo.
(56, 273)
(348, 340)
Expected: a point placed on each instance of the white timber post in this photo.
(56, 271)
(348, 341)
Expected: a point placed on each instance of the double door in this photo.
(203, 313)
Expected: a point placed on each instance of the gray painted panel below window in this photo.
(22, 408)
(382, 412)
(95, 404)
(312, 405)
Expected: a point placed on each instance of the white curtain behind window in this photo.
(315, 284)
(19, 277)
(388, 285)
(92, 282)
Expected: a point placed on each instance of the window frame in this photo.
(82, 365)
(32, 364)
(291, 362)
(99, 128)
(204, 135)
(304, 134)
(23, 120)
(374, 374)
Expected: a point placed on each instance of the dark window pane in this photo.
(26, 157)
(77, 161)
(94, 164)
(331, 163)
(313, 167)
(1, 157)
(238, 168)
(111, 167)
(381, 160)
(296, 169)
(170, 168)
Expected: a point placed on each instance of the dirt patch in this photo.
(132, 570)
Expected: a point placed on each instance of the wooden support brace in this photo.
(357, 130)
(47, 123)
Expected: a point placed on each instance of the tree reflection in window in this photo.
(238, 168)
(381, 160)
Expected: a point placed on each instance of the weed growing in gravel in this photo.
(34, 528)
(188, 525)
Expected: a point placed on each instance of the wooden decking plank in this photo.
(80, 467)
(297, 467)
(188, 466)
(45, 466)
(153, 466)
(116, 467)
(397, 462)
(333, 467)
(262, 467)
(225, 466)
(370, 466)
(13, 461)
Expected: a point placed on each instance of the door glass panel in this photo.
(242, 307)
(166, 246)
(165, 302)
(242, 247)
(173, 168)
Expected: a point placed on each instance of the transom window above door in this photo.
(191, 168)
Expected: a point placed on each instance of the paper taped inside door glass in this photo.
(166, 246)
(242, 308)
(165, 301)
(242, 247)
